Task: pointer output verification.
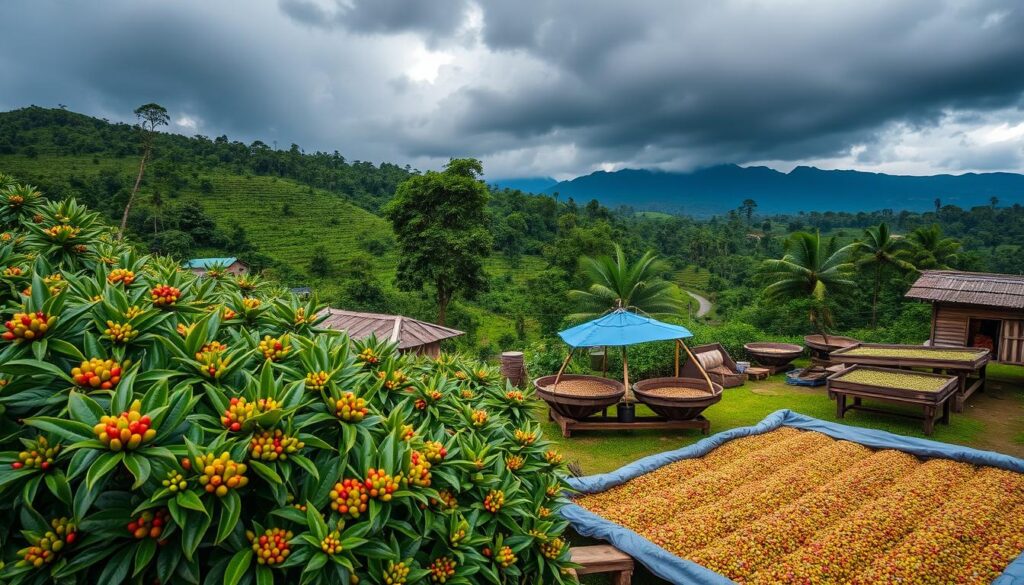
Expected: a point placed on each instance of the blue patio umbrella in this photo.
(621, 328)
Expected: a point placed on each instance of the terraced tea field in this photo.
(692, 277)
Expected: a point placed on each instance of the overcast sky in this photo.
(557, 87)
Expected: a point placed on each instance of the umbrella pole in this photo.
(604, 362)
(696, 362)
(677, 357)
(558, 376)
(625, 376)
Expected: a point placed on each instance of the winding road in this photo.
(705, 305)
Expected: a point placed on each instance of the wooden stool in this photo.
(603, 558)
(756, 373)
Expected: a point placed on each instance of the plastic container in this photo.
(742, 366)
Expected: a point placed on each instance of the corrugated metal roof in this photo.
(207, 262)
(406, 331)
(970, 288)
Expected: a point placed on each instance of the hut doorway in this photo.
(985, 333)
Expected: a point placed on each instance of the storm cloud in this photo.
(545, 87)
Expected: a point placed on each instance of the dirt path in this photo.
(705, 305)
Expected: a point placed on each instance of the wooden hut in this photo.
(231, 265)
(975, 309)
(412, 335)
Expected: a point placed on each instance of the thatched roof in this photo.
(406, 331)
(969, 288)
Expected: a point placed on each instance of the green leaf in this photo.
(189, 499)
(231, 510)
(64, 348)
(34, 368)
(143, 555)
(123, 394)
(101, 467)
(69, 429)
(84, 409)
(315, 521)
(193, 531)
(237, 567)
(265, 471)
(264, 576)
(58, 486)
(139, 467)
(116, 569)
(306, 464)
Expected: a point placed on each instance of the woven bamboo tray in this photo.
(684, 404)
(579, 396)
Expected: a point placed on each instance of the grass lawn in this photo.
(993, 420)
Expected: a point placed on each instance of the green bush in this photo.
(159, 427)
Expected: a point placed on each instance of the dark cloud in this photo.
(548, 86)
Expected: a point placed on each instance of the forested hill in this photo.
(716, 190)
(35, 131)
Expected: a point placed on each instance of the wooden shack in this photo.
(412, 335)
(231, 265)
(975, 309)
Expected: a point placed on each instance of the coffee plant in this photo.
(158, 427)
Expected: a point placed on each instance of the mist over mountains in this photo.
(718, 189)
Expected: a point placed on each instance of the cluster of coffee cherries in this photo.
(251, 303)
(350, 408)
(524, 437)
(317, 381)
(149, 524)
(120, 332)
(274, 445)
(164, 295)
(220, 474)
(395, 573)
(514, 462)
(272, 547)
(121, 276)
(240, 412)
(27, 327)
(459, 534)
(552, 457)
(445, 499)
(126, 431)
(331, 544)
(212, 359)
(442, 569)
(38, 454)
(349, 496)
(479, 418)
(395, 381)
(275, 349)
(175, 481)
(97, 373)
(552, 548)
(435, 451)
(515, 396)
(44, 549)
(380, 484)
(368, 356)
(62, 232)
(505, 557)
(418, 473)
(494, 500)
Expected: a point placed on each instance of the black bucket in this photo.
(626, 412)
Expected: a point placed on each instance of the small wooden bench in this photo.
(757, 373)
(603, 558)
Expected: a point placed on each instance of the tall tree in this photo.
(442, 227)
(748, 207)
(151, 117)
(932, 250)
(616, 283)
(880, 250)
(810, 270)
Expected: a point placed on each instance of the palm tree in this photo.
(618, 284)
(809, 270)
(932, 250)
(881, 249)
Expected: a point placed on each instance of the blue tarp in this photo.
(622, 328)
(683, 572)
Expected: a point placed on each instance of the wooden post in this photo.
(677, 357)
(558, 376)
(697, 363)
(625, 376)
(604, 362)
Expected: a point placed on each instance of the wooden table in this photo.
(970, 373)
(603, 558)
(758, 372)
(932, 403)
(611, 423)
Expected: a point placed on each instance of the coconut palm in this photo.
(933, 251)
(810, 270)
(881, 249)
(618, 284)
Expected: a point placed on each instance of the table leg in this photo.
(840, 405)
(945, 413)
(929, 420)
(856, 400)
(984, 378)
